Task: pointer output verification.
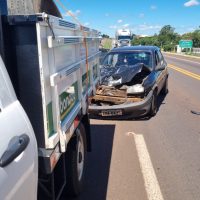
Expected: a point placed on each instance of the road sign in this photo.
(186, 43)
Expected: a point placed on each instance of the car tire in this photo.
(154, 105)
(75, 162)
(165, 89)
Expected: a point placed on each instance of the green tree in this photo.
(168, 38)
(167, 30)
(153, 41)
(194, 36)
(105, 36)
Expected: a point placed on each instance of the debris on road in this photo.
(195, 112)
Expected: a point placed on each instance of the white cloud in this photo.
(126, 25)
(119, 26)
(191, 29)
(113, 27)
(143, 28)
(191, 3)
(181, 29)
(153, 7)
(78, 12)
(141, 15)
(119, 21)
(86, 24)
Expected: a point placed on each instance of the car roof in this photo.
(135, 48)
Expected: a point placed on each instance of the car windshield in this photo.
(115, 59)
(124, 37)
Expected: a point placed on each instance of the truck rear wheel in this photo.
(75, 162)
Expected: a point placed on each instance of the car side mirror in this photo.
(160, 67)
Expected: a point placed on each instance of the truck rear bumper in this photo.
(126, 110)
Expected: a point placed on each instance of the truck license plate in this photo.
(111, 113)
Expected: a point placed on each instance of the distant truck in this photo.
(44, 87)
(123, 37)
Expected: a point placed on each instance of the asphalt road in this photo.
(151, 159)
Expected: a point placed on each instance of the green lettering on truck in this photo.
(68, 100)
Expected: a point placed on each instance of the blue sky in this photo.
(143, 17)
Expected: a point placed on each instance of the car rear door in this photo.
(18, 149)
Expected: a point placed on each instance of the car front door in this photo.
(163, 64)
(18, 149)
(158, 72)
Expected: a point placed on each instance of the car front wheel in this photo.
(165, 90)
(154, 106)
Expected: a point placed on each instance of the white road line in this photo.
(182, 59)
(151, 183)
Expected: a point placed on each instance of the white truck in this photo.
(123, 37)
(45, 82)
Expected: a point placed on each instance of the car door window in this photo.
(5, 92)
(160, 57)
(157, 59)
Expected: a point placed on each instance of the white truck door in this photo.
(18, 147)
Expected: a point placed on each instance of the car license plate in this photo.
(107, 113)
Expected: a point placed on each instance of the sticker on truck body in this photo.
(68, 100)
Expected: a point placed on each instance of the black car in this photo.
(131, 80)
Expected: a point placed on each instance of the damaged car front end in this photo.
(129, 84)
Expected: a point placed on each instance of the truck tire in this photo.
(75, 162)
(154, 104)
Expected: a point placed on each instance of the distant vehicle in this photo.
(123, 37)
(131, 80)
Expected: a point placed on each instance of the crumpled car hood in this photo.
(113, 76)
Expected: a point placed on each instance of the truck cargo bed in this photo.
(50, 75)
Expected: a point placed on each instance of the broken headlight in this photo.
(135, 89)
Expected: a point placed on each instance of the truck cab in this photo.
(123, 37)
